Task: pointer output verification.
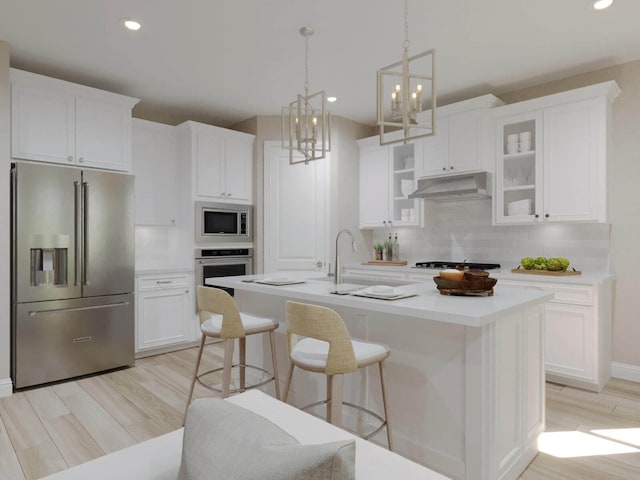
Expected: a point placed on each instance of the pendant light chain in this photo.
(406, 42)
(306, 65)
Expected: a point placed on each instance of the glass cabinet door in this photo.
(519, 169)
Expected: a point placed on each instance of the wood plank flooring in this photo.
(47, 429)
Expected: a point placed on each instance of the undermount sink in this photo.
(355, 281)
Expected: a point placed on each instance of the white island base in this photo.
(465, 376)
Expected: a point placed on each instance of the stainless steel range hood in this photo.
(455, 187)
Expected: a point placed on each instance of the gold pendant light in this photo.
(306, 122)
(406, 98)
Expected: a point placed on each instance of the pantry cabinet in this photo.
(460, 142)
(61, 122)
(551, 157)
(156, 168)
(387, 177)
(164, 310)
(221, 162)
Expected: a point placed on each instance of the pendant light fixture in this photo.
(306, 122)
(406, 98)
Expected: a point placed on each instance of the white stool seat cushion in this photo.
(312, 353)
(213, 325)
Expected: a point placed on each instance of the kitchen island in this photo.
(465, 375)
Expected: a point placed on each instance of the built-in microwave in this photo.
(223, 222)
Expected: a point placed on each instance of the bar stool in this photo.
(220, 318)
(328, 348)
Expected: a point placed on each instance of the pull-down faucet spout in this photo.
(337, 278)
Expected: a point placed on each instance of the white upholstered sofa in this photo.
(159, 458)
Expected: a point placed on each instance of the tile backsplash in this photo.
(462, 229)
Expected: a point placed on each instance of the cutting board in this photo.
(546, 272)
(398, 263)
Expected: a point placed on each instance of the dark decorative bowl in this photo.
(469, 285)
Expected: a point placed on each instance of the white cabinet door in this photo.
(374, 186)
(569, 341)
(42, 125)
(296, 227)
(164, 310)
(572, 174)
(464, 141)
(210, 165)
(61, 122)
(239, 168)
(222, 164)
(435, 151)
(156, 169)
(103, 135)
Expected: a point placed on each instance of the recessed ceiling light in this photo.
(331, 99)
(602, 4)
(130, 24)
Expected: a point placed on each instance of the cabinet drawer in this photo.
(573, 295)
(163, 282)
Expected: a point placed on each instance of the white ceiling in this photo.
(222, 61)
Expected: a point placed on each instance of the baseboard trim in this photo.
(6, 387)
(625, 371)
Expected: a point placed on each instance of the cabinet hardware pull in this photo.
(33, 313)
(451, 168)
(163, 281)
(444, 169)
(546, 215)
(81, 159)
(70, 158)
(536, 215)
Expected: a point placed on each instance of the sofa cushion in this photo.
(225, 441)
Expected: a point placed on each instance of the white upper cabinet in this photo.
(156, 168)
(459, 144)
(221, 162)
(61, 122)
(387, 177)
(560, 173)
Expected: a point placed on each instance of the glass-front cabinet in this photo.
(519, 174)
(387, 178)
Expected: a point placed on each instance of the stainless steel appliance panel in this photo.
(44, 215)
(67, 338)
(108, 233)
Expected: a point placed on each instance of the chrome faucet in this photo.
(337, 275)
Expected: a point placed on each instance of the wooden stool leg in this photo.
(386, 406)
(243, 362)
(334, 409)
(287, 386)
(228, 363)
(272, 341)
(195, 375)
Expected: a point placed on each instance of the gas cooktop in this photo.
(468, 265)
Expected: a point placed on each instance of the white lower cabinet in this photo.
(164, 314)
(577, 333)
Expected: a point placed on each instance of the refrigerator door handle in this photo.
(78, 214)
(33, 313)
(85, 234)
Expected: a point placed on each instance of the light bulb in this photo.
(602, 4)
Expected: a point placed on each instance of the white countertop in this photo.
(428, 303)
(585, 278)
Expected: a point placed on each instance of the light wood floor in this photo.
(48, 429)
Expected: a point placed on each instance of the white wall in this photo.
(5, 328)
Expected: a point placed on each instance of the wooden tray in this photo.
(547, 272)
(398, 263)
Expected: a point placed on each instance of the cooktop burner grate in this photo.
(468, 265)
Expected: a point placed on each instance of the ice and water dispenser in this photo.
(49, 260)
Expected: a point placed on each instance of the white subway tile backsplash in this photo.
(462, 229)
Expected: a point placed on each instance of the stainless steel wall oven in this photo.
(222, 262)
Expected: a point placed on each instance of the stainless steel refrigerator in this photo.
(72, 272)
